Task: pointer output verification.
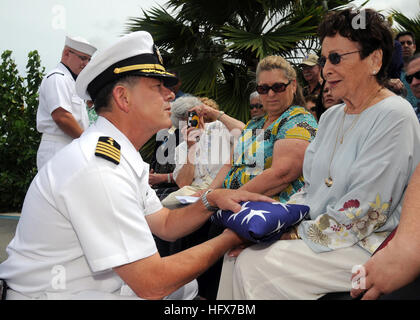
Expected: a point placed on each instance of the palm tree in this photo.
(215, 45)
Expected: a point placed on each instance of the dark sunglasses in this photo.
(410, 77)
(83, 58)
(256, 106)
(277, 87)
(334, 57)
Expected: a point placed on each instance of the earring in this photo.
(374, 72)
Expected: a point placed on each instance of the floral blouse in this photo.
(370, 170)
(254, 150)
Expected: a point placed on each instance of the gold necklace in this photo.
(329, 181)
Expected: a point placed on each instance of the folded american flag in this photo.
(261, 221)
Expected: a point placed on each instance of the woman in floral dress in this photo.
(268, 156)
(356, 171)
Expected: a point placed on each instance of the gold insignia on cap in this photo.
(157, 52)
(108, 149)
(142, 67)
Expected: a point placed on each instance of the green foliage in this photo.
(19, 139)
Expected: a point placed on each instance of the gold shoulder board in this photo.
(108, 149)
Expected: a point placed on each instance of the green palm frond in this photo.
(284, 38)
(200, 76)
(233, 94)
(165, 29)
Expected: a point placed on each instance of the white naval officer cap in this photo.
(80, 44)
(132, 55)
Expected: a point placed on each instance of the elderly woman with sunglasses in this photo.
(256, 109)
(355, 171)
(268, 156)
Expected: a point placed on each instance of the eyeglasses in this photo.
(256, 106)
(277, 87)
(408, 42)
(334, 57)
(410, 77)
(83, 58)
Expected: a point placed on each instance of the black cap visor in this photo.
(146, 65)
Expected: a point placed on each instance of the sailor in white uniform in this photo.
(62, 114)
(87, 221)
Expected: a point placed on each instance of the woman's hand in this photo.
(157, 178)
(206, 112)
(192, 135)
(388, 270)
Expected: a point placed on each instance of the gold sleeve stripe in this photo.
(116, 152)
(108, 147)
(117, 159)
(107, 151)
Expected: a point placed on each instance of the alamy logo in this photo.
(359, 279)
(58, 281)
(58, 21)
(359, 21)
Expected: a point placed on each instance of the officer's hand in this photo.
(228, 199)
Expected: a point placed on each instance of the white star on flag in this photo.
(279, 226)
(253, 213)
(234, 215)
(283, 205)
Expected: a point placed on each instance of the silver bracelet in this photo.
(169, 178)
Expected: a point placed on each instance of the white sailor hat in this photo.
(80, 44)
(133, 54)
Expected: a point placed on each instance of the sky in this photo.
(42, 25)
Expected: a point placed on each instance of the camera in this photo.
(193, 119)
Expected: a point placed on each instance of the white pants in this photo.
(187, 292)
(288, 269)
(49, 146)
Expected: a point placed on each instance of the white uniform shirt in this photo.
(58, 90)
(82, 216)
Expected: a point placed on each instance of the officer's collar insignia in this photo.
(108, 149)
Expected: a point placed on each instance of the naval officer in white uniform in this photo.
(62, 115)
(87, 221)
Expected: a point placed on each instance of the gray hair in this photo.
(412, 58)
(254, 95)
(180, 108)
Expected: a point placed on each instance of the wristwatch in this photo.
(206, 202)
